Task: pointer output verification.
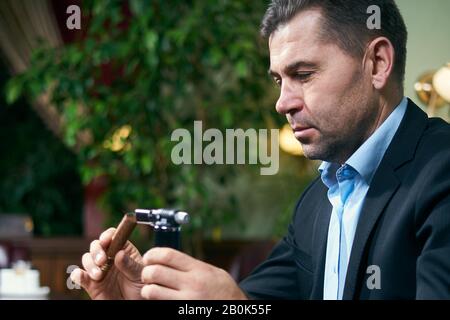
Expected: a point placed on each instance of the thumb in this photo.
(128, 266)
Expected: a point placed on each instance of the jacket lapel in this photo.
(383, 186)
(320, 242)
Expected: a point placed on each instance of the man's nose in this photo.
(290, 100)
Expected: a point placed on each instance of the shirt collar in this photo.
(368, 156)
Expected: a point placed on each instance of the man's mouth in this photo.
(300, 128)
(302, 132)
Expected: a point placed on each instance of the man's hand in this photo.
(170, 274)
(123, 280)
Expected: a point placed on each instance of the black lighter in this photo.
(166, 224)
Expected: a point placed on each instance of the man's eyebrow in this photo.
(294, 67)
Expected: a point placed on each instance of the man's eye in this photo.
(303, 76)
(277, 81)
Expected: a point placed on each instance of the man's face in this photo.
(325, 94)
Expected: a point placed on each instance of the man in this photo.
(376, 223)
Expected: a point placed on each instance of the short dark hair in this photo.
(345, 22)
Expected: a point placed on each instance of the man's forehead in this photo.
(304, 27)
(296, 40)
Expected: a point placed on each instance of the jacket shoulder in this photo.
(436, 134)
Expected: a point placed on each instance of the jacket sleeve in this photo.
(279, 277)
(276, 277)
(433, 231)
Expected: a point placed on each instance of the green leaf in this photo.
(146, 163)
(227, 117)
(13, 90)
(139, 7)
(242, 68)
(150, 40)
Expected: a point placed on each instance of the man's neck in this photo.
(387, 104)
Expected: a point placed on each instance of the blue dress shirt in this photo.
(347, 188)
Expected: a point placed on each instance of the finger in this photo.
(169, 257)
(88, 263)
(97, 252)
(106, 237)
(162, 275)
(80, 277)
(157, 292)
(128, 266)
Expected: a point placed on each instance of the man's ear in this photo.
(380, 54)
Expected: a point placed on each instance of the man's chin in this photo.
(308, 151)
(312, 152)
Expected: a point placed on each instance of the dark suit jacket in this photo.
(404, 227)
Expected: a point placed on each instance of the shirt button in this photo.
(334, 269)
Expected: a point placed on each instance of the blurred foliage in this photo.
(151, 67)
(38, 175)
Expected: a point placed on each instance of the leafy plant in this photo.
(38, 175)
(144, 69)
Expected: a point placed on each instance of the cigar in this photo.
(119, 239)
